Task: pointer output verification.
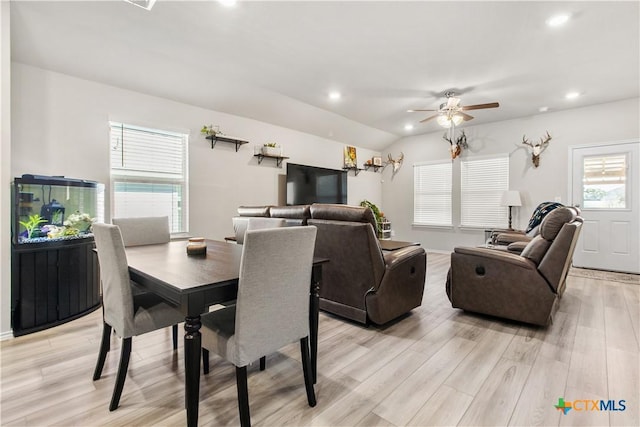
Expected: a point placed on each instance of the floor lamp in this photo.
(510, 198)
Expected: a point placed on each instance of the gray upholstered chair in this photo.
(525, 287)
(242, 224)
(144, 230)
(129, 315)
(272, 308)
(149, 230)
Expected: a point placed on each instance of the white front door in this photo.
(605, 185)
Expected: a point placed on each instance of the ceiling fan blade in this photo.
(413, 111)
(429, 118)
(465, 116)
(481, 106)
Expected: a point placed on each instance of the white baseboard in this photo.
(6, 335)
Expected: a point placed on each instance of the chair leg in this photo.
(243, 396)
(308, 375)
(175, 336)
(105, 345)
(122, 373)
(263, 363)
(205, 361)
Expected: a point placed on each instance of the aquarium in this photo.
(54, 208)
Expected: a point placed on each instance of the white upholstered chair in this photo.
(272, 308)
(129, 315)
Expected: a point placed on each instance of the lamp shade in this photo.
(511, 198)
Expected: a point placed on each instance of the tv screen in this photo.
(310, 184)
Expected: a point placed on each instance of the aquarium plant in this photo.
(78, 221)
(33, 224)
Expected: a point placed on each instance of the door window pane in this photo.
(604, 182)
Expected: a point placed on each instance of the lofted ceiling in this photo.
(277, 61)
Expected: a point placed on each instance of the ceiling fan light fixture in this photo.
(446, 120)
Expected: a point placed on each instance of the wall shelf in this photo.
(376, 168)
(279, 159)
(215, 138)
(356, 170)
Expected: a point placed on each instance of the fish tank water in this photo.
(54, 208)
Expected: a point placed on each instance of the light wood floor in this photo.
(437, 366)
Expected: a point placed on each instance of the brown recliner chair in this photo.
(523, 287)
(360, 282)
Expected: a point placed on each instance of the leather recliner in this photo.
(360, 282)
(525, 287)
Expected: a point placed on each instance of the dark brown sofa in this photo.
(361, 282)
(525, 287)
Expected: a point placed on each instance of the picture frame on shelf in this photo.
(377, 161)
(350, 157)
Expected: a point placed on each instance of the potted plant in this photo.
(272, 149)
(376, 212)
(210, 130)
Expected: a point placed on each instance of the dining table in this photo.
(193, 283)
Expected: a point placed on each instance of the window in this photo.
(604, 182)
(149, 174)
(482, 182)
(432, 194)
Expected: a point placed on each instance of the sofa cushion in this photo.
(295, 215)
(553, 222)
(254, 211)
(536, 249)
(334, 212)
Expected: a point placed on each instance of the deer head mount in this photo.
(537, 148)
(457, 146)
(396, 163)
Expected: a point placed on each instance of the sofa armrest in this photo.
(499, 284)
(393, 258)
(499, 256)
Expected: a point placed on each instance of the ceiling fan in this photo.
(451, 112)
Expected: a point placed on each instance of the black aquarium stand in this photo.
(53, 283)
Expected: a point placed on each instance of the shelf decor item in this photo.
(272, 149)
(211, 130)
(350, 158)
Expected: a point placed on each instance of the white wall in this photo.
(590, 125)
(5, 167)
(60, 126)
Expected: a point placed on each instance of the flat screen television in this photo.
(310, 184)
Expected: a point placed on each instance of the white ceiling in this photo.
(277, 61)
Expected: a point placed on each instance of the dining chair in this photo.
(148, 230)
(272, 308)
(242, 224)
(127, 314)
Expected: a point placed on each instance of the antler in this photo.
(544, 141)
(401, 158)
(446, 138)
(525, 141)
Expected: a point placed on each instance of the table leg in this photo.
(314, 309)
(192, 350)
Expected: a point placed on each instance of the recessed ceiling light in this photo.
(558, 20)
(227, 3)
(335, 95)
(543, 109)
(572, 95)
(408, 127)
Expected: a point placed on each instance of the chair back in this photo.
(272, 307)
(242, 224)
(117, 299)
(140, 231)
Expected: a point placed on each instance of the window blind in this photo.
(432, 194)
(149, 173)
(482, 182)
